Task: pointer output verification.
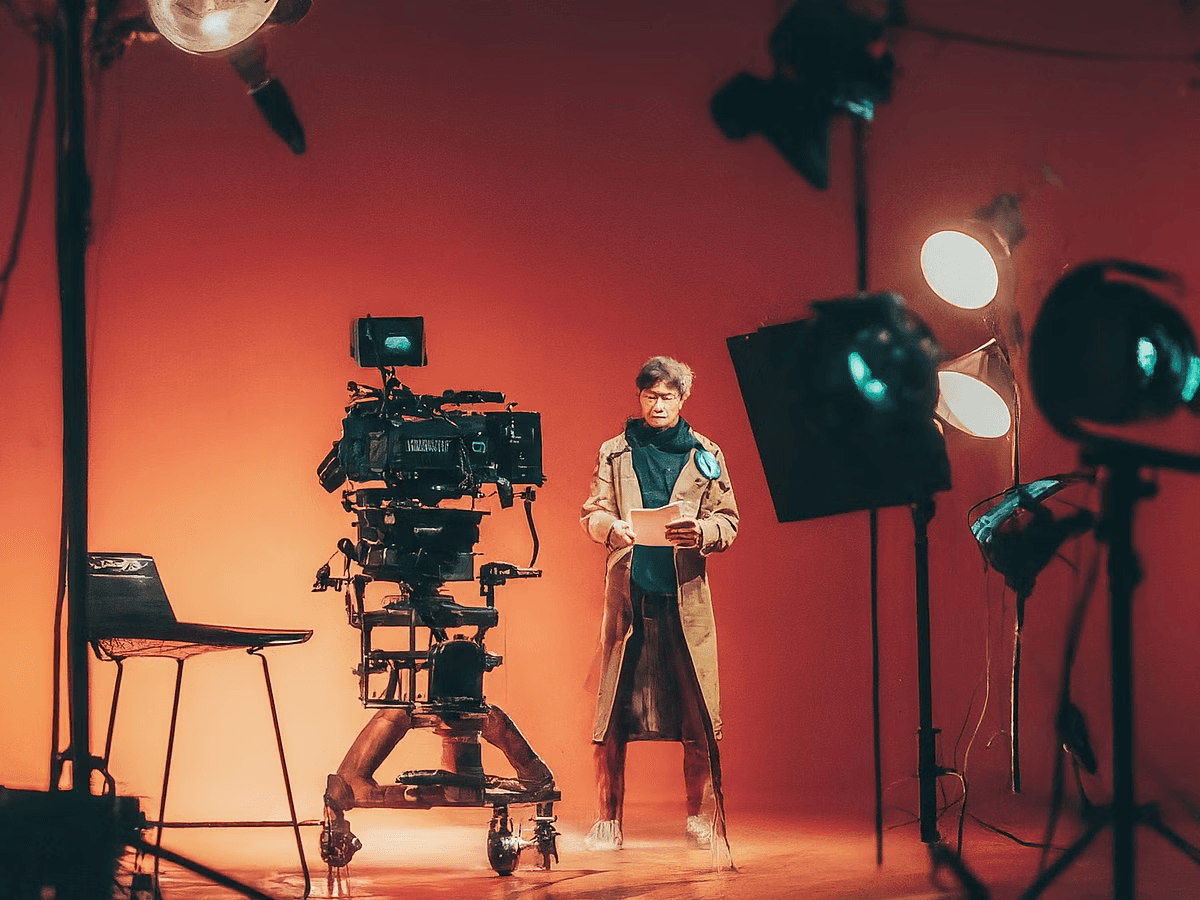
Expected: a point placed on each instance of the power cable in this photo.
(31, 144)
(947, 34)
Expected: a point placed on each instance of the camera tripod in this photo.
(1122, 489)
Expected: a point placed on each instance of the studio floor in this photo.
(408, 857)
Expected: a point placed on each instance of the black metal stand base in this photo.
(928, 771)
(1102, 817)
(943, 857)
(1122, 489)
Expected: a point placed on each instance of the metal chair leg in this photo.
(112, 712)
(162, 802)
(110, 784)
(287, 783)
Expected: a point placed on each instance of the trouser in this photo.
(655, 614)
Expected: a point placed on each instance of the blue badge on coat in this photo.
(708, 465)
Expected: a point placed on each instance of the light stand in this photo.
(1109, 349)
(861, 220)
(1122, 489)
(841, 67)
(1020, 552)
(927, 767)
(73, 204)
(928, 770)
(70, 841)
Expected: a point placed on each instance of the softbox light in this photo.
(841, 406)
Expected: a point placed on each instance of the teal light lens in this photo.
(1147, 356)
(868, 385)
(1192, 380)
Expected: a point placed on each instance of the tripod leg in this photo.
(927, 767)
(1060, 865)
(943, 857)
(354, 782)
(501, 732)
(1150, 817)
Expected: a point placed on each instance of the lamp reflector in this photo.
(959, 269)
(209, 26)
(971, 406)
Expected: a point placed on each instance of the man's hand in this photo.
(621, 534)
(684, 532)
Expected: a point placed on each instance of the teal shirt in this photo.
(657, 466)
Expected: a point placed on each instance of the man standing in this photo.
(658, 641)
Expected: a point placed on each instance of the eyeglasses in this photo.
(651, 397)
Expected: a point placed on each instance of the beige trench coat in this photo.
(614, 491)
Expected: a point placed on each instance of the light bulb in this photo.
(209, 26)
(960, 269)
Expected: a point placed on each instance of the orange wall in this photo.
(543, 183)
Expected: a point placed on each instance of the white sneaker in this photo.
(605, 835)
(699, 832)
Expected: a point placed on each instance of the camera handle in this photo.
(493, 574)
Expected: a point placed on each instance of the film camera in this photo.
(401, 456)
(417, 450)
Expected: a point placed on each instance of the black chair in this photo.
(129, 616)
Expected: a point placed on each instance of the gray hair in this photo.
(663, 368)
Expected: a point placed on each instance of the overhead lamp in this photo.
(827, 61)
(233, 29)
(209, 26)
(970, 264)
(1110, 349)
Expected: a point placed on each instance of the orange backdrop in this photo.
(543, 183)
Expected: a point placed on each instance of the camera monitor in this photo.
(390, 341)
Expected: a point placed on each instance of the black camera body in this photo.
(426, 452)
(404, 454)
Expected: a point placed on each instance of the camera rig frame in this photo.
(424, 449)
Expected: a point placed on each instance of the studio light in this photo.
(1110, 349)
(1019, 534)
(234, 29)
(827, 61)
(970, 267)
(970, 264)
(209, 26)
(977, 392)
(841, 406)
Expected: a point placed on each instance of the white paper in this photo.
(650, 524)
